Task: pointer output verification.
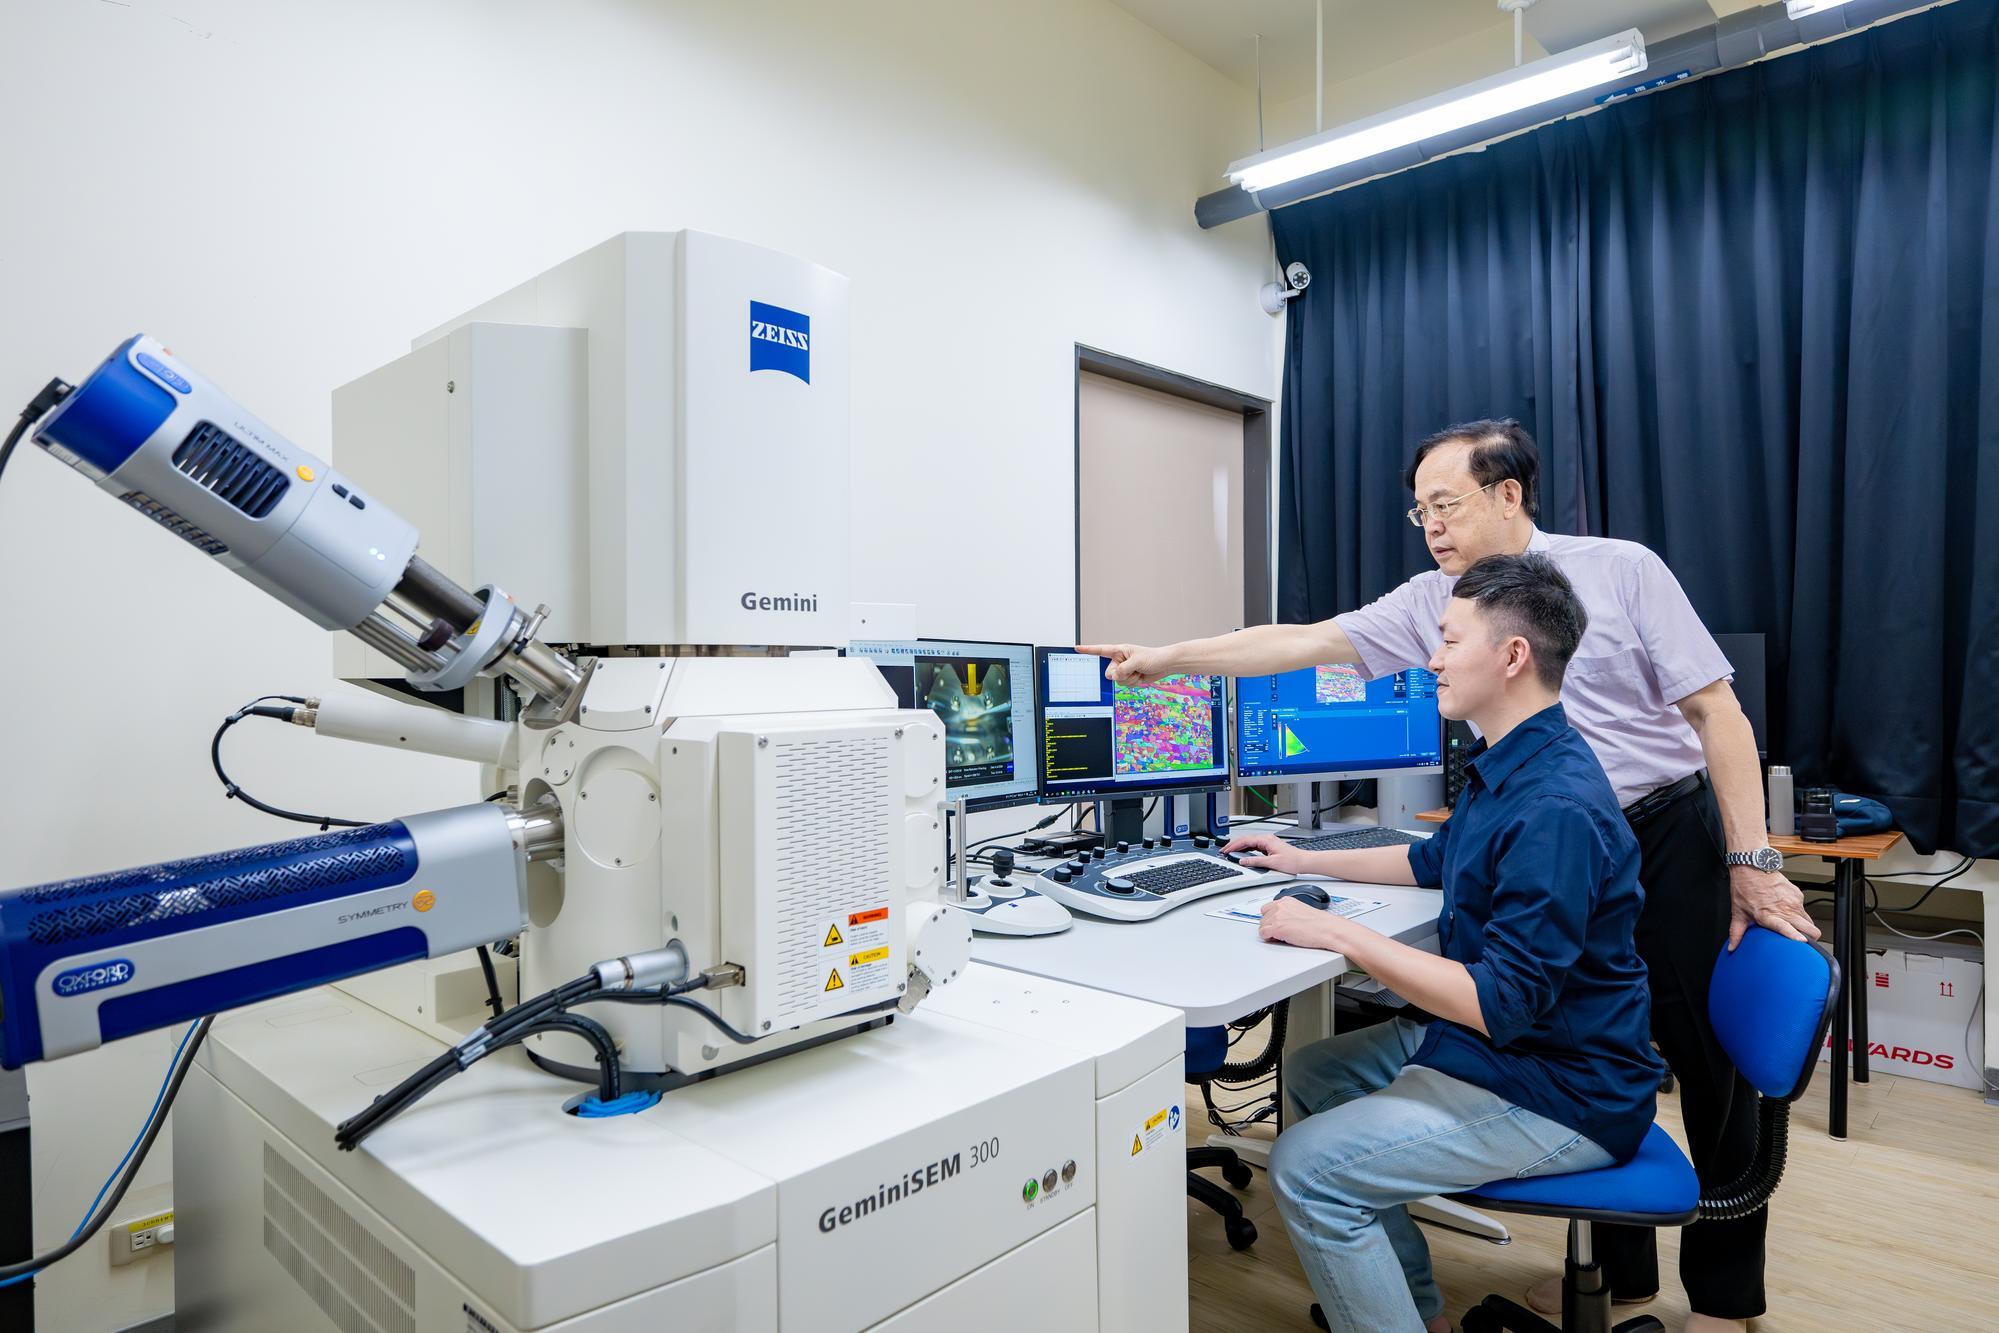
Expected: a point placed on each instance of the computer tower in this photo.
(1458, 740)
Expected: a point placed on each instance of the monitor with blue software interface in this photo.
(1321, 724)
(1106, 741)
(984, 694)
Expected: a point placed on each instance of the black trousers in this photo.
(1681, 931)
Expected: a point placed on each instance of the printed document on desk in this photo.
(1251, 910)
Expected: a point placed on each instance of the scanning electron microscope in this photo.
(734, 1067)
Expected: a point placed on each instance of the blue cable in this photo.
(103, 1189)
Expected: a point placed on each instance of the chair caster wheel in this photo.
(1240, 1231)
(1238, 1174)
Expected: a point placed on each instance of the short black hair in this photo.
(1527, 595)
(1500, 451)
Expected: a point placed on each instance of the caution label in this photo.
(833, 936)
(869, 968)
(1156, 1127)
(833, 981)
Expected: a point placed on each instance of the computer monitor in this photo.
(984, 694)
(1322, 724)
(1101, 741)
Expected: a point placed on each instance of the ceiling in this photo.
(1363, 35)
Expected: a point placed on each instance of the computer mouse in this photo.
(1309, 894)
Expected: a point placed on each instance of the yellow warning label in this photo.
(1157, 1119)
(833, 981)
(148, 1223)
(871, 956)
(1136, 1146)
(833, 936)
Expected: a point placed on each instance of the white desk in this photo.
(1212, 970)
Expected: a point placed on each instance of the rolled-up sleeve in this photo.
(1682, 655)
(1426, 858)
(1398, 629)
(1547, 870)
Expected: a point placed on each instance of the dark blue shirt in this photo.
(1540, 877)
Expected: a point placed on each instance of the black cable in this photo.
(739, 1038)
(117, 1193)
(1353, 790)
(492, 981)
(482, 1042)
(52, 393)
(257, 708)
(609, 1082)
(1960, 870)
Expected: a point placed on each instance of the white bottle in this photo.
(1783, 809)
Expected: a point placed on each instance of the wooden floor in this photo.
(1895, 1229)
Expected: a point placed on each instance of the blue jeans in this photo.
(1372, 1133)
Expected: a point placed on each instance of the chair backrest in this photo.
(1207, 1051)
(1771, 1001)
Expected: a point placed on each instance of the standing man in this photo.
(1649, 690)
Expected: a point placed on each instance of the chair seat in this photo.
(1656, 1188)
(1207, 1051)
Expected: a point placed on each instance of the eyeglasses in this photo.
(1441, 510)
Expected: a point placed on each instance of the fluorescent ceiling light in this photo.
(1798, 9)
(1488, 99)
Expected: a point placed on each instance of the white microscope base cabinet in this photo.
(880, 1180)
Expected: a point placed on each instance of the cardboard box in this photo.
(1920, 996)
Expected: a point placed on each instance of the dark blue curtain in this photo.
(1754, 324)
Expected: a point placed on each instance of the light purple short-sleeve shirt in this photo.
(1644, 651)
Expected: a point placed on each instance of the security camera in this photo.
(1274, 294)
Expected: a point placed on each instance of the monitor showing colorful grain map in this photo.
(1101, 739)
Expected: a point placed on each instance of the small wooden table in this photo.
(1849, 946)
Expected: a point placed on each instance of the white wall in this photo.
(286, 193)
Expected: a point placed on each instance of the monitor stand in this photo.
(1399, 798)
(1122, 820)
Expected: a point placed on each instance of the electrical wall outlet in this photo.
(137, 1237)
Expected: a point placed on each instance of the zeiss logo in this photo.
(81, 980)
(780, 339)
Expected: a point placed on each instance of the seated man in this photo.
(1538, 1060)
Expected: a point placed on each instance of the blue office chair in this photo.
(1208, 1063)
(1770, 1001)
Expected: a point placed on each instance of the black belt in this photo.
(1649, 806)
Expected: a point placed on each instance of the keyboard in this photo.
(1350, 840)
(1181, 876)
(1140, 883)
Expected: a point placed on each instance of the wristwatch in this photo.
(1763, 858)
